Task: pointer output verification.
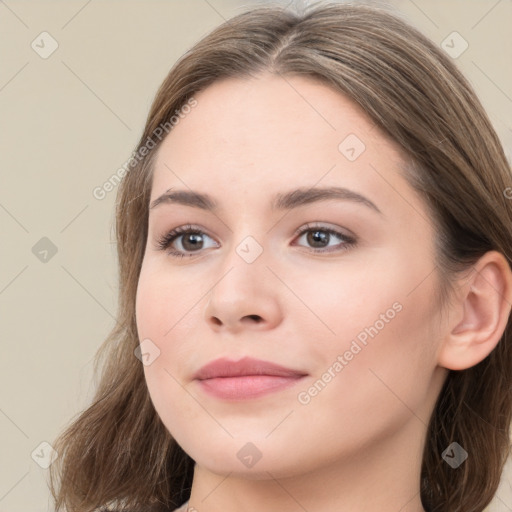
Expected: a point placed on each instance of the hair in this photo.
(118, 452)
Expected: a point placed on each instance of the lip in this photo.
(246, 378)
(246, 366)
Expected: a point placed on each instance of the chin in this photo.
(251, 460)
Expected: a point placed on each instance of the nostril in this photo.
(254, 317)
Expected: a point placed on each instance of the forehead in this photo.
(272, 132)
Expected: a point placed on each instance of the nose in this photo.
(246, 296)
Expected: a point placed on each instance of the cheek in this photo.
(382, 354)
(165, 306)
(384, 300)
(167, 325)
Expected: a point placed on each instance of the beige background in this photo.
(68, 123)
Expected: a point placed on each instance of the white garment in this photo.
(183, 508)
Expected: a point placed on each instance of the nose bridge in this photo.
(248, 247)
(244, 292)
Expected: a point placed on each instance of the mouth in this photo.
(246, 378)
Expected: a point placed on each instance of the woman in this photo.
(315, 244)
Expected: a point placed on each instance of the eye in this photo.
(183, 240)
(320, 237)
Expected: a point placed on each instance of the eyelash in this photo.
(164, 242)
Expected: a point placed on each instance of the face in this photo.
(337, 286)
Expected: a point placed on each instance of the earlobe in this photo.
(483, 310)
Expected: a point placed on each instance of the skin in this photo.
(357, 444)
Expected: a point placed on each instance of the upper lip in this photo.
(247, 366)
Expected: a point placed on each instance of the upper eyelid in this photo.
(322, 225)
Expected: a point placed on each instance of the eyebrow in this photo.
(282, 201)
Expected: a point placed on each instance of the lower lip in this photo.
(245, 387)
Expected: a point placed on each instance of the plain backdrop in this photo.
(69, 119)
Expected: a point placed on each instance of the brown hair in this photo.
(118, 452)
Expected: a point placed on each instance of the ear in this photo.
(480, 313)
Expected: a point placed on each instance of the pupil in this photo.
(194, 239)
(315, 237)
